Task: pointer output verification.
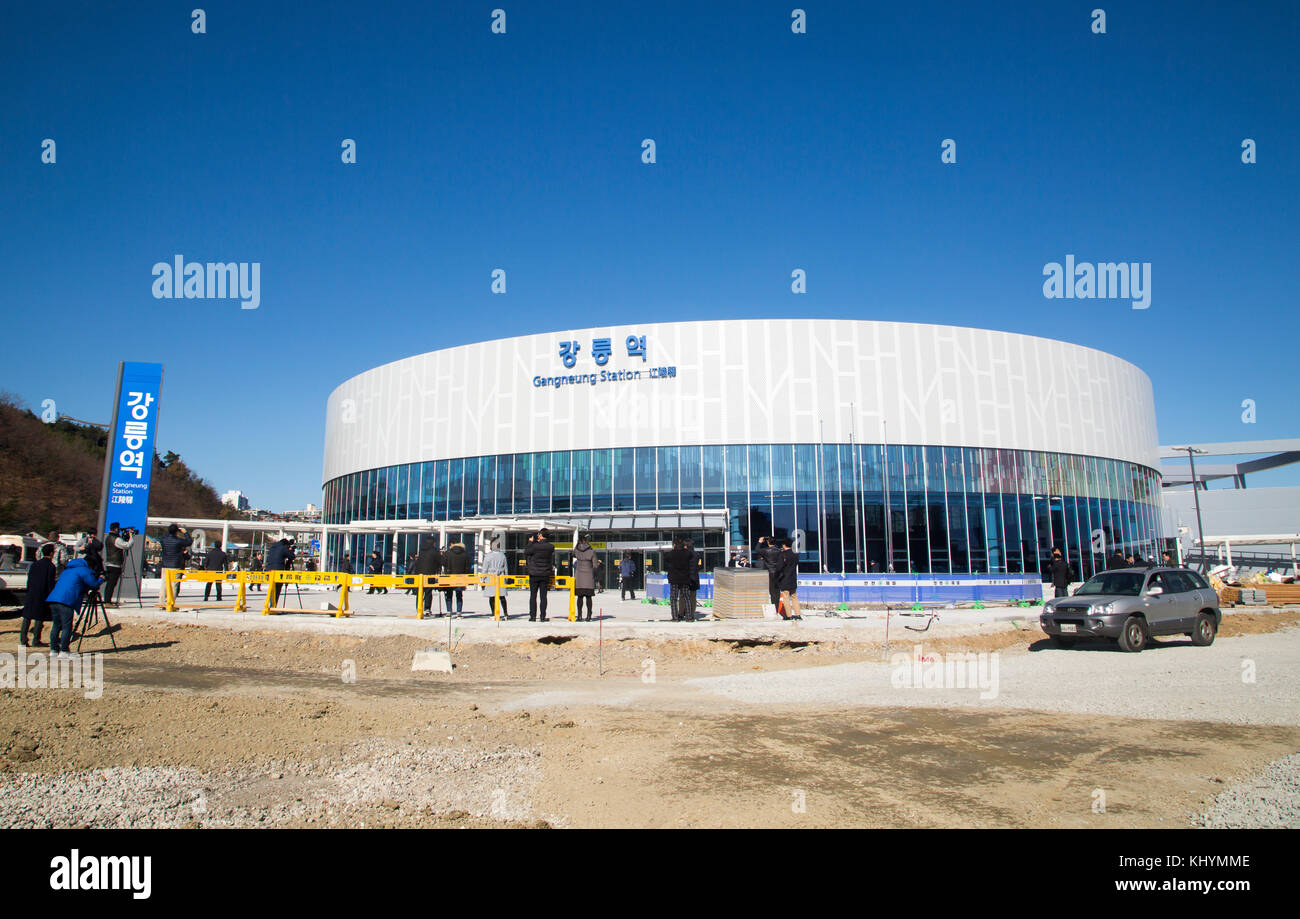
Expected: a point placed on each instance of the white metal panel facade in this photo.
(746, 381)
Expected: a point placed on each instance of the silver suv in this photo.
(1132, 605)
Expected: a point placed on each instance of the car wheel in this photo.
(1205, 631)
(1062, 641)
(1133, 637)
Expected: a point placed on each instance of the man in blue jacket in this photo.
(65, 599)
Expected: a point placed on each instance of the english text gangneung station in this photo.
(930, 449)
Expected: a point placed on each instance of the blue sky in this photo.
(522, 151)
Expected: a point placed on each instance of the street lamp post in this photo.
(1196, 494)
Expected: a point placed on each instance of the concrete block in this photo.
(329, 608)
(432, 659)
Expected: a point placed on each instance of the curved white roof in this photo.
(744, 381)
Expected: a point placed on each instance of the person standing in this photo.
(455, 561)
(1062, 574)
(215, 560)
(60, 557)
(1167, 560)
(626, 572)
(787, 580)
(64, 600)
(428, 563)
(539, 562)
(677, 563)
(375, 566)
(115, 545)
(1116, 560)
(345, 566)
(41, 578)
(255, 564)
(584, 574)
(600, 575)
(174, 543)
(495, 564)
(694, 586)
(770, 552)
(278, 558)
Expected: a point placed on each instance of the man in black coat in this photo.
(455, 561)
(1116, 560)
(41, 577)
(1061, 573)
(679, 563)
(539, 563)
(428, 562)
(772, 556)
(174, 543)
(215, 560)
(278, 558)
(787, 578)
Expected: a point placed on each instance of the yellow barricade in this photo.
(240, 580)
(172, 577)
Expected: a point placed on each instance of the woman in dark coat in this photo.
(584, 574)
(41, 578)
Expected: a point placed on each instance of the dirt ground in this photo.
(288, 729)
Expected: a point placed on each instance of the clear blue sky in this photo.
(522, 151)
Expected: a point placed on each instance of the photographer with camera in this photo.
(116, 541)
(174, 543)
(66, 597)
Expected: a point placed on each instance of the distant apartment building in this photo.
(235, 499)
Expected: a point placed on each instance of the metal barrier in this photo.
(276, 580)
(893, 589)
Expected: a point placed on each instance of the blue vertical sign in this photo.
(130, 462)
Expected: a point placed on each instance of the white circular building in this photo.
(924, 448)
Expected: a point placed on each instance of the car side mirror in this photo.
(1155, 591)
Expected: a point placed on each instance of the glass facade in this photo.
(848, 507)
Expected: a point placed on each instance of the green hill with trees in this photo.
(51, 475)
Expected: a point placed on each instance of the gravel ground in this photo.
(399, 783)
(1270, 799)
(1175, 681)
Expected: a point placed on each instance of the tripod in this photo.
(91, 611)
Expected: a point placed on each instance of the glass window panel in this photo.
(471, 487)
(487, 485)
(505, 475)
(713, 464)
(688, 459)
(523, 483)
(666, 464)
(581, 480)
(805, 467)
(455, 489)
(602, 479)
(624, 479)
(760, 468)
(541, 478)
(561, 482)
(441, 473)
(645, 478)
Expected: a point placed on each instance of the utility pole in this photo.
(1196, 494)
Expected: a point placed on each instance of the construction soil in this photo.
(202, 726)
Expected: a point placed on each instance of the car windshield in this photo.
(1121, 583)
